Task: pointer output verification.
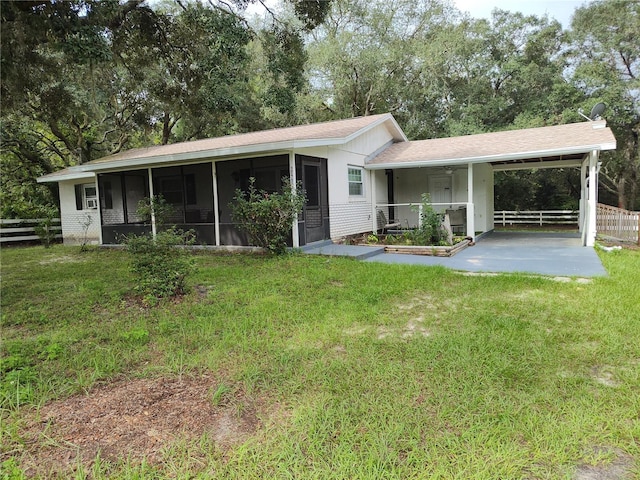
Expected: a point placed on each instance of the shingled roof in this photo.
(557, 142)
(324, 133)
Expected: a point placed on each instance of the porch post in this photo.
(216, 213)
(292, 175)
(374, 202)
(593, 199)
(99, 210)
(153, 214)
(471, 227)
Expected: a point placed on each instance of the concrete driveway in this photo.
(557, 254)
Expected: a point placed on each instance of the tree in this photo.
(606, 67)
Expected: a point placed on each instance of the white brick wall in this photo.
(73, 220)
(73, 225)
(349, 218)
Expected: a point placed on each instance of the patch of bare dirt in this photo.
(619, 468)
(135, 419)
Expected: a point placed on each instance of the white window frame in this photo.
(352, 169)
(89, 202)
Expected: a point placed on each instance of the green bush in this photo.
(431, 230)
(266, 217)
(161, 264)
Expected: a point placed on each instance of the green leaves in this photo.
(268, 217)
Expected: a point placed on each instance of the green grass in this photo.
(378, 371)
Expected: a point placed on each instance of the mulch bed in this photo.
(133, 419)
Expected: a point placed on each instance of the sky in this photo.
(561, 10)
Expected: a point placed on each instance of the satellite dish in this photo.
(597, 111)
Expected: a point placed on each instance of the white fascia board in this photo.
(219, 154)
(53, 177)
(538, 165)
(491, 158)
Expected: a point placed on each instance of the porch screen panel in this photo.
(135, 190)
(189, 191)
(111, 199)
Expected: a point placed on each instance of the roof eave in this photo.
(75, 175)
(492, 158)
(212, 154)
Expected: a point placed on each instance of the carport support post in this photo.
(292, 175)
(471, 227)
(593, 199)
(153, 212)
(583, 197)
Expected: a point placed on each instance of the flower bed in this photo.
(399, 244)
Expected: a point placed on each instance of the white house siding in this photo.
(351, 215)
(73, 220)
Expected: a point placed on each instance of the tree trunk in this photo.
(166, 128)
(622, 197)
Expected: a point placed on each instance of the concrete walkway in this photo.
(556, 254)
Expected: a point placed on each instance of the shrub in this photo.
(161, 264)
(431, 230)
(45, 230)
(267, 217)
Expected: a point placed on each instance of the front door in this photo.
(312, 172)
(440, 192)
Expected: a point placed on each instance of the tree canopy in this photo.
(81, 79)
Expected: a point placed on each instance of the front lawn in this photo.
(313, 367)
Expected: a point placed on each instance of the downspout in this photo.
(151, 199)
(216, 213)
(471, 226)
(295, 233)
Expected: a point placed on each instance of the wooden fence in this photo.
(535, 217)
(618, 223)
(15, 230)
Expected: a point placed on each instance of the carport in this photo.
(471, 160)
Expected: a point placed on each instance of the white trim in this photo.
(295, 232)
(538, 165)
(153, 215)
(593, 199)
(471, 219)
(216, 213)
(60, 177)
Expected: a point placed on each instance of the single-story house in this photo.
(351, 170)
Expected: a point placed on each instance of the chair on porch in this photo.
(458, 219)
(384, 225)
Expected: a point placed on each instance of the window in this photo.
(86, 197)
(356, 186)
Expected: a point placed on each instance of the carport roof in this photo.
(555, 143)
